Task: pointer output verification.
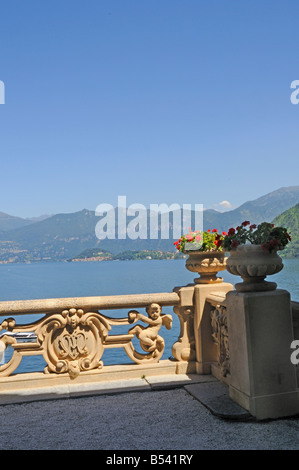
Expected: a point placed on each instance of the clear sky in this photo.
(163, 101)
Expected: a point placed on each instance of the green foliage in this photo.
(290, 220)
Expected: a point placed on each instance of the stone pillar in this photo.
(263, 379)
(206, 349)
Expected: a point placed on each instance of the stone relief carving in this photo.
(73, 341)
(220, 337)
(150, 341)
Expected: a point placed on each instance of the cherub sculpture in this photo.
(148, 336)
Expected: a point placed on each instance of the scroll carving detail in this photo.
(220, 337)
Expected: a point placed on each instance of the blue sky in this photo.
(164, 101)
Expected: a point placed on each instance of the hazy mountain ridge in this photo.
(263, 209)
(11, 222)
(64, 236)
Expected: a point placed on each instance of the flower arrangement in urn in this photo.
(254, 254)
(269, 237)
(206, 254)
(201, 241)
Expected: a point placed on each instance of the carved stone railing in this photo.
(73, 333)
(218, 315)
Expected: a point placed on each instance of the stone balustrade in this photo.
(242, 338)
(73, 333)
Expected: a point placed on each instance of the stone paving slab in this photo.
(177, 380)
(214, 395)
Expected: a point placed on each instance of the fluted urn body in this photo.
(253, 264)
(207, 264)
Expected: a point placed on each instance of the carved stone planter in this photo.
(253, 264)
(207, 264)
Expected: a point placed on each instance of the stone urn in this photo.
(207, 264)
(253, 264)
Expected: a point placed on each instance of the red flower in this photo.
(252, 226)
(218, 242)
(274, 242)
(231, 231)
(224, 233)
(214, 230)
(189, 238)
(265, 246)
(246, 222)
(176, 243)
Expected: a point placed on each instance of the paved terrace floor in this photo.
(195, 414)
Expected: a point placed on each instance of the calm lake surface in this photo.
(51, 280)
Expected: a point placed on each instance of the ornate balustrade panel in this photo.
(73, 333)
(218, 316)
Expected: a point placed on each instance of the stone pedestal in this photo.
(196, 343)
(263, 379)
(206, 349)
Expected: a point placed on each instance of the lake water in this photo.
(52, 280)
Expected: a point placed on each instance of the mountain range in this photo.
(64, 236)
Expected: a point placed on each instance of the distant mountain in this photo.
(64, 236)
(290, 220)
(10, 222)
(38, 218)
(56, 238)
(263, 209)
